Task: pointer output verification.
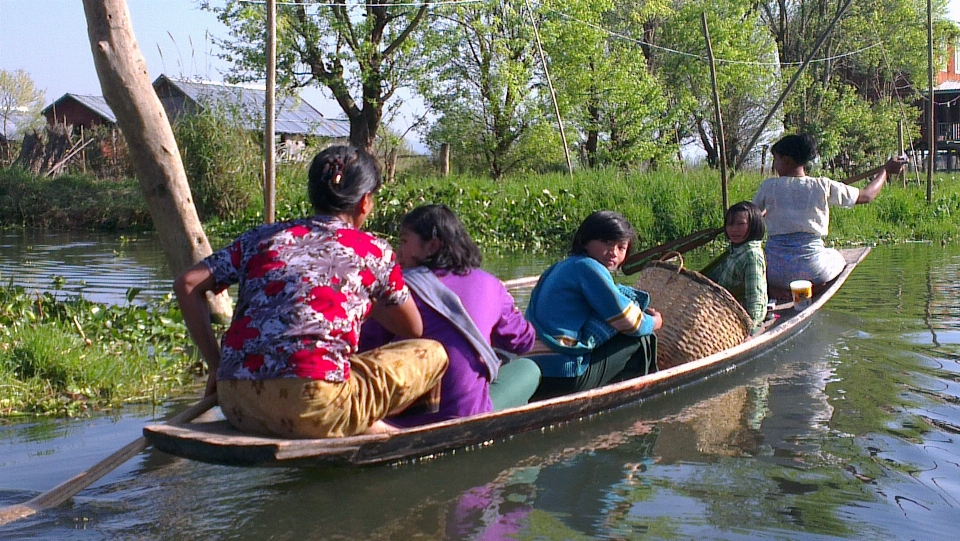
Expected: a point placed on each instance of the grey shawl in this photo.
(431, 291)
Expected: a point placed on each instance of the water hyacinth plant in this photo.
(66, 356)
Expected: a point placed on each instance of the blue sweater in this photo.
(576, 306)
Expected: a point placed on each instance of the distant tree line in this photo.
(631, 82)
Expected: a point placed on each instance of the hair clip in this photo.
(336, 179)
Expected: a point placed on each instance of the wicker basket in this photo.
(700, 318)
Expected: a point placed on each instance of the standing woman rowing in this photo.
(797, 213)
(288, 365)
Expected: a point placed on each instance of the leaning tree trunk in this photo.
(126, 87)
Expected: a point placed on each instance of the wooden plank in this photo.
(220, 443)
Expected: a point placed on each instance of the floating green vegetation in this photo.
(63, 357)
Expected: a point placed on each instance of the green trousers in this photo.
(617, 359)
(515, 384)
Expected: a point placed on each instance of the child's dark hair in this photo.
(458, 253)
(801, 148)
(757, 228)
(605, 225)
(339, 177)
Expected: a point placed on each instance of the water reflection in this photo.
(100, 267)
(104, 267)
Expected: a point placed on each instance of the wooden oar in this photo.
(636, 261)
(66, 490)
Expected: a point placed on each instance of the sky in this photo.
(48, 40)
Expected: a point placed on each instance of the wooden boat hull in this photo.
(218, 442)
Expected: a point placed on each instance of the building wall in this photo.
(73, 113)
(952, 73)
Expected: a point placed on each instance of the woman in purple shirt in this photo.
(439, 257)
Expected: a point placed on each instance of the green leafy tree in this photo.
(748, 74)
(482, 84)
(604, 84)
(20, 103)
(362, 53)
(866, 74)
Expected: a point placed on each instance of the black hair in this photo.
(605, 225)
(757, 228)
(339, 177)
(458, 252)
(800, 148)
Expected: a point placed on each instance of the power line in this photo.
(701, 57)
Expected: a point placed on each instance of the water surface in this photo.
(849, 431)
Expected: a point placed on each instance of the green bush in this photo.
(223, 161)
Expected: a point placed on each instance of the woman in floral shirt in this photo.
(288, 365)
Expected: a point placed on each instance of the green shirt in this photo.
(743, 271)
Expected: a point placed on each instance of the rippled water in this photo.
(101, 267)
(849, 431)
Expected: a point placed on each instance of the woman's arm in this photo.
(618, 310)
(872, 190)
(191, 289)
(402, 320)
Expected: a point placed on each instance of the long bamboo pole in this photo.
(721, 141)
(553, 94)
(270, 113)
(793, 81)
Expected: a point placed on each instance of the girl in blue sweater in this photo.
(598, 330)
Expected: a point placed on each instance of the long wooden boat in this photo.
(218, 442)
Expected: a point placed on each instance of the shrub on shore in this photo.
(72, 201)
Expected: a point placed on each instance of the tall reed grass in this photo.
(523, 212)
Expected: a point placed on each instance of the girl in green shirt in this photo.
(742, 269)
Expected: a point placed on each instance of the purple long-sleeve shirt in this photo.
(465, 388)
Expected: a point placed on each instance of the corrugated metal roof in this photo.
(947, 86)
(95, 103)
(294, 115)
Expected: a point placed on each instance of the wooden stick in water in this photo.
(68, 489)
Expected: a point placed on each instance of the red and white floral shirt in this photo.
(305, 286)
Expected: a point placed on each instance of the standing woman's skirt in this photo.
(800, 256)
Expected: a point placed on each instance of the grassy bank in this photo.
(541, 212)
(530, 212)
(64, 357)
(73, 201)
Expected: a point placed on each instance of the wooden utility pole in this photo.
(270, 114)
(126, 88)
(931, 107)
(721, 144)
(903, 177)
(444, 159)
